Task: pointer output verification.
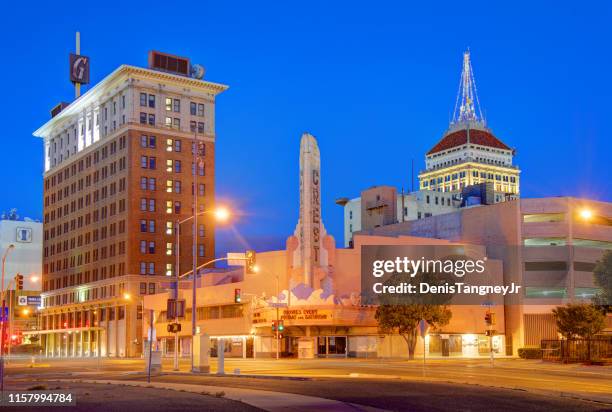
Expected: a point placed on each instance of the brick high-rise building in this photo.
(119, 174)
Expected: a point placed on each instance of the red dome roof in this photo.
(460, 137)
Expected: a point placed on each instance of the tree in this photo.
(603, 279)
(579, 320)
(401, 313)
(404, 320)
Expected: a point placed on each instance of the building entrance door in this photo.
(331, 346)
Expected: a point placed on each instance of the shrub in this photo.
(530, 353)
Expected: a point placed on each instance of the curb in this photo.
(262, 399)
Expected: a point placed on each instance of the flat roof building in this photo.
(123, 163)
(548, 245)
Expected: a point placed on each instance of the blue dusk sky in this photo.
(375, 82)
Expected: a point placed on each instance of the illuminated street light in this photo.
(586, 214)
(25, 312)
(127, 296)
(222, 214)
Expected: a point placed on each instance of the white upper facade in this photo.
(133, 96)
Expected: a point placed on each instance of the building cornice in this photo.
(470, 165)
(119, 75)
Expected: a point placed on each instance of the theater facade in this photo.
(314, 288)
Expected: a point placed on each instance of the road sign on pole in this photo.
(423, 329)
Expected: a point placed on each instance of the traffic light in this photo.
(237, 296)
(19, 282)
(273, 326)
(250, 261)
(281, 326)
(488, 319)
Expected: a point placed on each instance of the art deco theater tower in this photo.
(468, 153)
(119, 173)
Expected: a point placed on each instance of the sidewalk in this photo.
(266, 400)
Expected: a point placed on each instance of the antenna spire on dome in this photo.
(467, 105)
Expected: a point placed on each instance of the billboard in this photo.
(79, 69)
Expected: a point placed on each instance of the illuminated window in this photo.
(545, 293)
(168, 104)
(168, 206)
(169, 144)
(544, 217)
(169, 186)
(169, 248)
(544, 241)
(586, 293)
(169, 270)
(169, 164)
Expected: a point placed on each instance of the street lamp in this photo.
(586, 214)
(128, 297)
(221, 214)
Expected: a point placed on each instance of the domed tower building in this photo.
(469, 154)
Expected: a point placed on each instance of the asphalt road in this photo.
(105, 398)
(442, 385)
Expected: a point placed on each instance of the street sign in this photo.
(34, 300)
(278, 304)
(22, 300)
(423, 328)
(4, 318)
(175, 308)
(236, 259)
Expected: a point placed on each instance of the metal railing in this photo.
(598, 349)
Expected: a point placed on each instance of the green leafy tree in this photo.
(401, 314)
(404, 320)
(579, 320)
(603, 279)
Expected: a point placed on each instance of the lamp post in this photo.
(193, 310)
(2, 315)
(221, 215)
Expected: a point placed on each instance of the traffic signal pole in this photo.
(2, 334)
(490, 320)
(11, 317)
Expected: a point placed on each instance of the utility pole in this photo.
(176, 288)
(4, 319)
(277, 323)
(77, 86)
(196, 169)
